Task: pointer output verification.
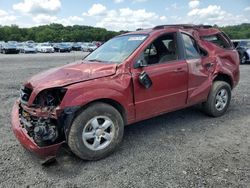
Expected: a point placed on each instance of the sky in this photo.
(123, 14)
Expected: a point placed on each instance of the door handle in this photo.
(180, 69)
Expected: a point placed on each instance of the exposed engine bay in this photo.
(42, 126)
(43, 130)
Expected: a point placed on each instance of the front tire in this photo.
(96, 132)
(218, 100)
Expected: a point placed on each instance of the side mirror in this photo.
(145, 80)
(140, 63)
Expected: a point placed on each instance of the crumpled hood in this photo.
(70, 73)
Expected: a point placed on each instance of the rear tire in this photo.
(96, 132)
(218, 100)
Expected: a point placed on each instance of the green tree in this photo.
(79, 33)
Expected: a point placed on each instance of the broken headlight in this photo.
(50, 97)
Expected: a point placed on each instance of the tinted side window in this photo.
(191, 48)
(219, 40)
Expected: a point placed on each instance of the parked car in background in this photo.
(132, 77)
(9, 48)
(76, 46)
(20, 46)
(30, 42)
(28, 48)
(88, 47)
(44, 48)
(243, 48)
(12, 42)
(84, 47)
(97, 43)
(1, 44)
(62, 47)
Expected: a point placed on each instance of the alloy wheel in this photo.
(98, 133)
(221, 99)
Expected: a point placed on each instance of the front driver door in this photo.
(169, 76)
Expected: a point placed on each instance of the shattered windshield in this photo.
(117, 49)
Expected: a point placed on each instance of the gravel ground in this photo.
(180, 149)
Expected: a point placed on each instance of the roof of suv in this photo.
(203, 30)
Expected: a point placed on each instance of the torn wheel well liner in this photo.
(224, 77)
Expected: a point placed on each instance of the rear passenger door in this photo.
(200, 67)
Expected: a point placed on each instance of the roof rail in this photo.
(183, 26)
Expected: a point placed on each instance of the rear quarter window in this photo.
(220, 40)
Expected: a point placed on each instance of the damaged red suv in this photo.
(132, 77)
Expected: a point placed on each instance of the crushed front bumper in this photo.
(27, 142)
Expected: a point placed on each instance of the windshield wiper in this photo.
(93, 60)
(98, 60)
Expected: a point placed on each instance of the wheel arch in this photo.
(224, 77)
(70, 118)
(118, 106)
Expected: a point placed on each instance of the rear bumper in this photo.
(27, 142)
